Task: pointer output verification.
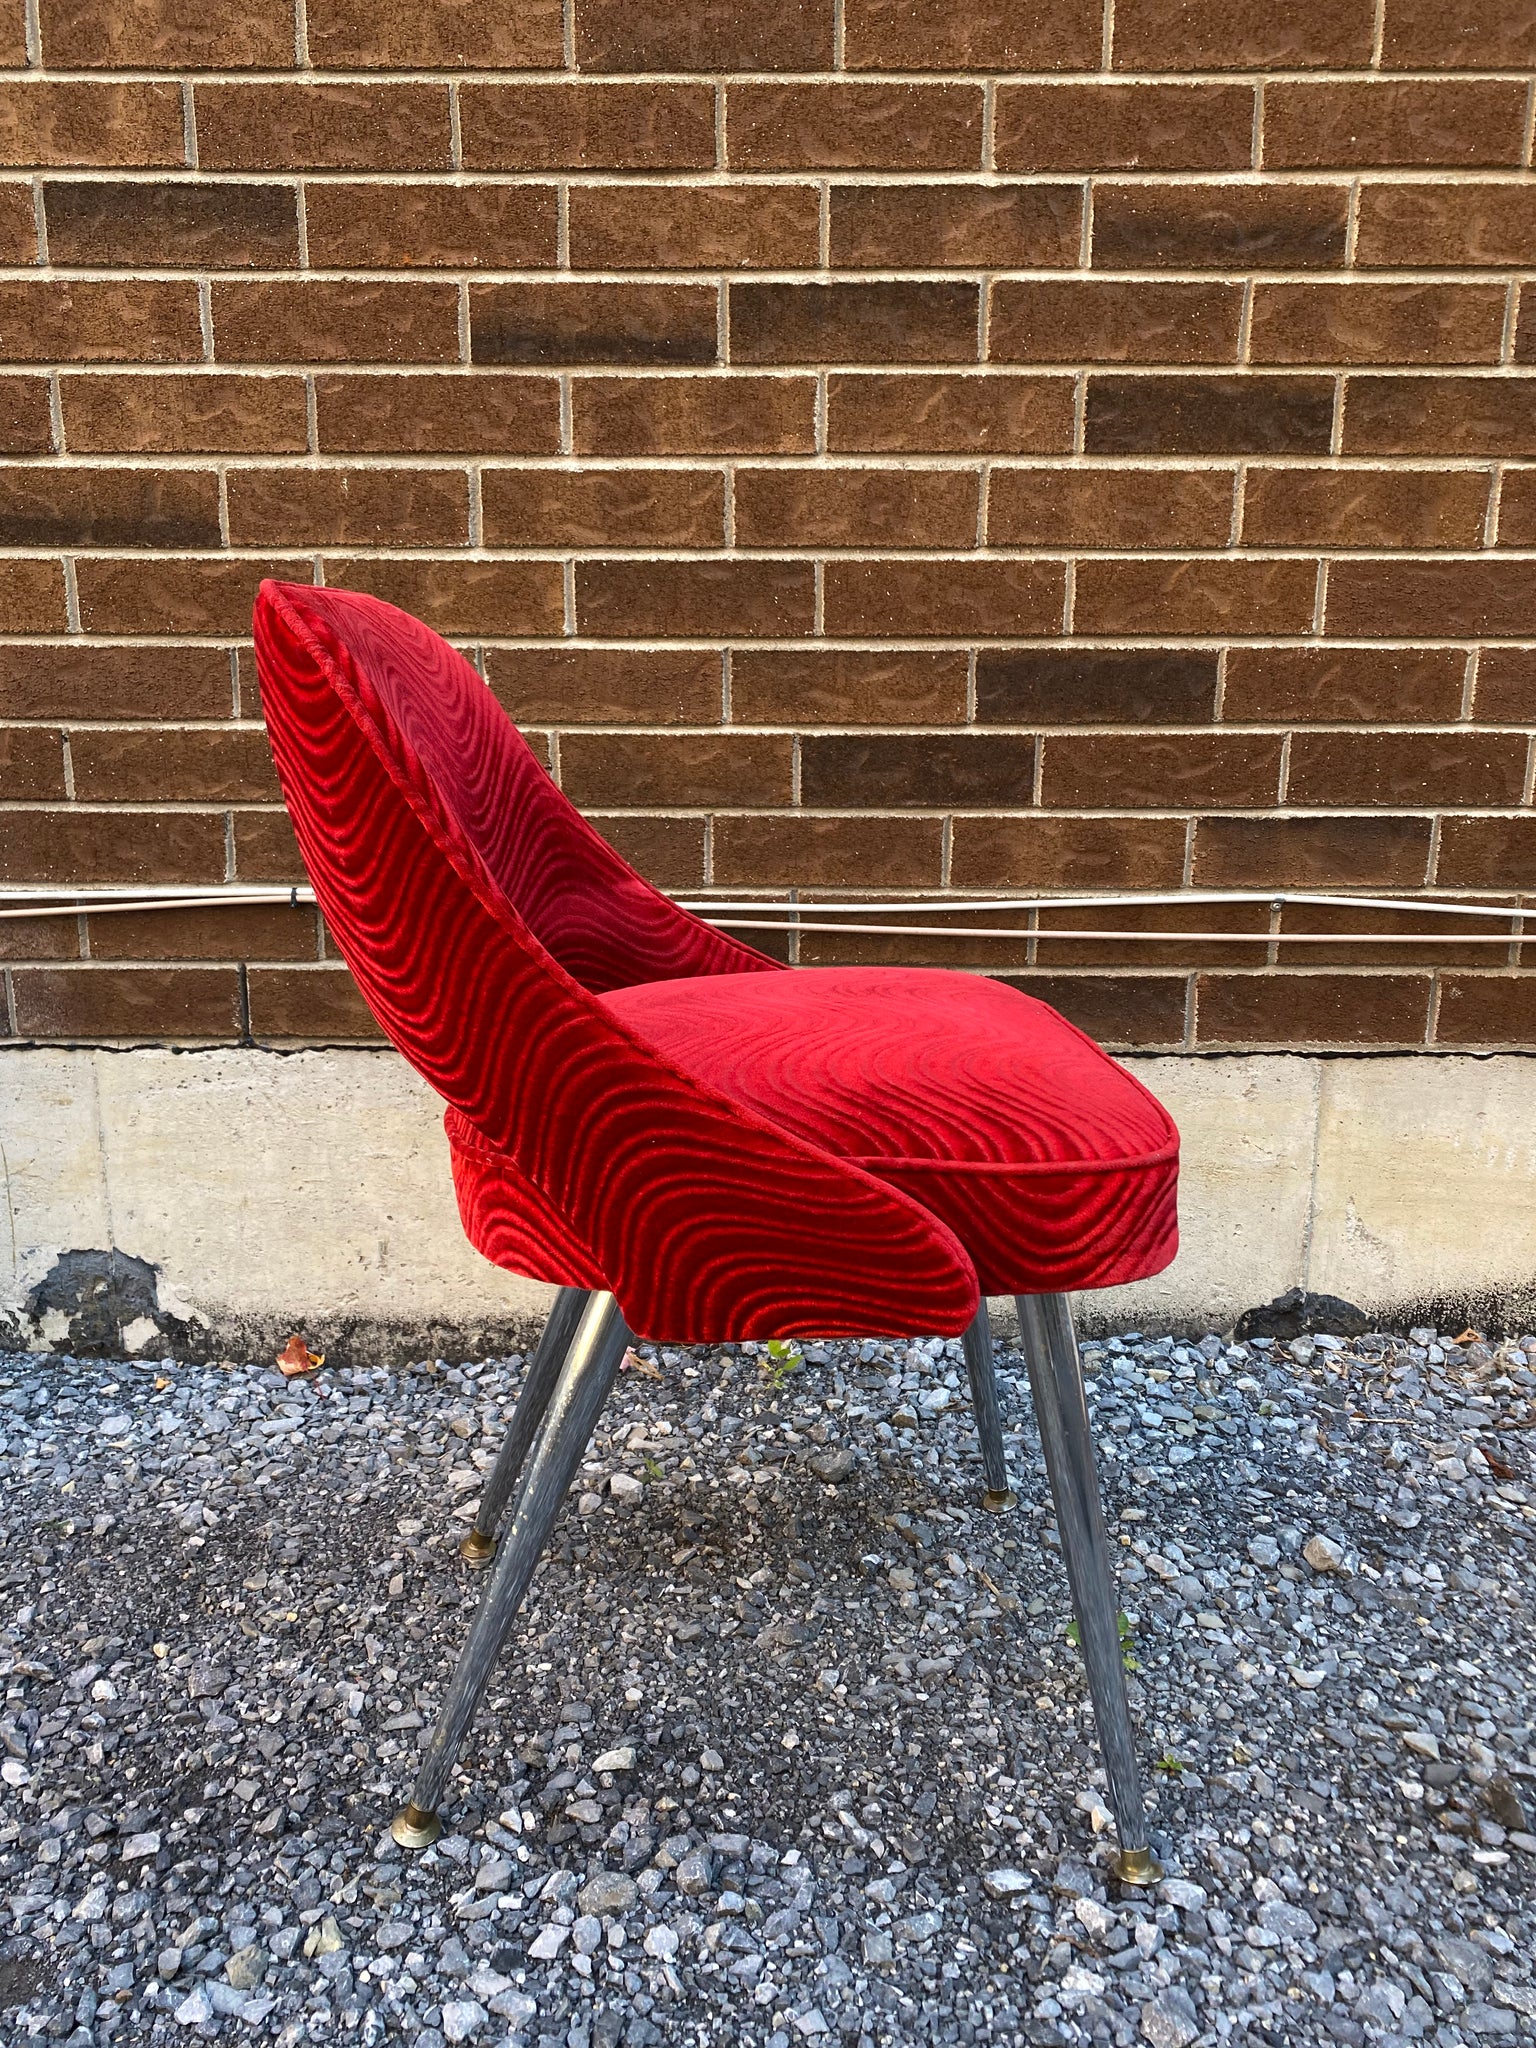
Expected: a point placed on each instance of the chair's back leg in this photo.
(977, 1344)
(583, 1386)
(479, 1545)
(1056, 1381)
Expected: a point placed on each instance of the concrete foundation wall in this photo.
(248, 1193)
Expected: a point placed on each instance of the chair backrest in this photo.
(480, 915)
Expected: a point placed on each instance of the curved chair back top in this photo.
(481, 916)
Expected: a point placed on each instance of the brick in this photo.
(1356, 508)
(170, 766)
(1109, 508)
(265, 848)
(1241, 415)
(753, 598)
(13, 36)
(1343, 685)
(693, 769)
(1488, 35)
(210, 412)
(308, 1004)
(704, 35)
(450, 35)
(112, 846)
(130, 224)
(1451, 770)
(900, 322)
(1067, 853)
(1487, 1009)
(380, 227)
(165, 35)
(85, 322)
(665, 508)
(253, 931)
(937, 414)
(1251, 35)
(953, 938)
(847, 686)
(1296, 1010)
(39, 938)
(1100, 322)
(1338, 125)
(1116, 1010)
(1159, 771)
(1219, 227)
(1124, 127)
(18, 224)
(1194, 950)
(459, 596)
(293, 321)
(1358, 943)
(169, 596)
(700, 227)
(1311, 853)
(46, 122)
(983, 35)
(486, 413)
(1094, 686)
(1506, 686)
(827, 853)
(945, 597)
(25, 428)
(348, 508)
(854, 126)
(921, 771)
(593, 323)
(587, 127)
(1390, 600)
(1517, 509)
(935, 227)
(849, 508)
(32, 596)
(106, 508)
(31, 765)
(323, 127)
(1483, 226)
(1238, 596)
(153, 1004)
(1440, 416)
(85, 679)
(1487, 853)
(669, 852)
(605, 685)
(1377, 323)
(730, 415)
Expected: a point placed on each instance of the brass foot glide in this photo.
(997, 1500)
(414, 1829)
(1137, 1866)
(477, 1549)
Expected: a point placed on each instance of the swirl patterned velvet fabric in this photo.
(638, 1102)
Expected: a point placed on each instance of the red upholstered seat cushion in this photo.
(1052, 1165)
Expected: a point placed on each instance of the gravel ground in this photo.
(792, 1741)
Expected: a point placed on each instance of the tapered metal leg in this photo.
(479, 1546)
(585, 1379)
(977, 1343)
(1056, 1381)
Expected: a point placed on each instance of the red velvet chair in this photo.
(693, 1143)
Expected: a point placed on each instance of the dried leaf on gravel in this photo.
(297, 1358)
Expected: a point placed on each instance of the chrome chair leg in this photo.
(977, 1344)
(1056, 1381)
(479, 1546)
(586, 1378)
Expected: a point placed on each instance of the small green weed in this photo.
(783, 1358)
(1128, 1655)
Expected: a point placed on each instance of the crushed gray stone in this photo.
(790, 1742)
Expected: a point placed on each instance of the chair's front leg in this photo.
(1056, 1381)
(479, 1545)
(977, 1344)
(584, 1383)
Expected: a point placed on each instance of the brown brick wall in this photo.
(884, 446)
